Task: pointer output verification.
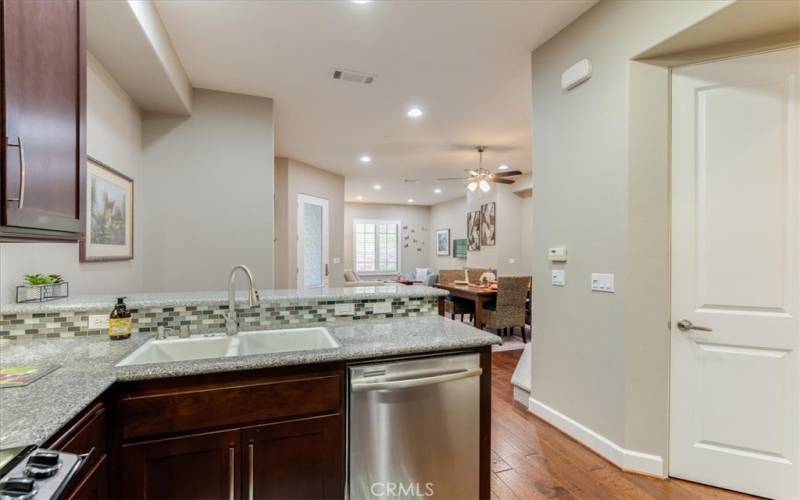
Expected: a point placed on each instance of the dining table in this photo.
(478, 294)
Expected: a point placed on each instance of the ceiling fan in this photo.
(481, 177)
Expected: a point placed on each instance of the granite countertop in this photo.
(173, 299)
(31, 414)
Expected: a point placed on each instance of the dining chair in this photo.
(474, 274)
(508, 310)
(456, 305)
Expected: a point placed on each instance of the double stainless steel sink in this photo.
(220, 345)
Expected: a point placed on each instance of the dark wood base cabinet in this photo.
(88, 434)
(266, 434)
(194, 466)
(299, 459)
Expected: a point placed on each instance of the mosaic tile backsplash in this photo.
(209, 318)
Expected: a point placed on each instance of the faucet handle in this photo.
(163, 332)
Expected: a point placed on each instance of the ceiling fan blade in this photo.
(502, 181)
(509, 173)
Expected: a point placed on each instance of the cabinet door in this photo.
(186, 467)
(299, 459)
(43, 148)
(94, 486)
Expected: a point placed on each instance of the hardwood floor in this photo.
(532, 459)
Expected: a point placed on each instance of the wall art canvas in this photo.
(109, 214)
(443, 242)
(474, 231)
(488, 224)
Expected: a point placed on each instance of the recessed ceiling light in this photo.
(503, 167)
(411, 200)
(365, 159)
(359, 197)
(414, 112)
(376, 187)
(437, 190)
(361, 1)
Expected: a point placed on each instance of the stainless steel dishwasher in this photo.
(413, 428)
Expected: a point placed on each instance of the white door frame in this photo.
(795, 438)
(313, 200)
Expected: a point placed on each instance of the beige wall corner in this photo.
(585, 366)
(293, 177)
(208, 181)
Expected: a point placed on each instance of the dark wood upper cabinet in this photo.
(295, 460)
(43, 118)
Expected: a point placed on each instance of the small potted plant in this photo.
(41, 287)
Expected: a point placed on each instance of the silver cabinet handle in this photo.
(21, 151)
(415, 382)
(250, 448)
(685, 325)
(232, 471)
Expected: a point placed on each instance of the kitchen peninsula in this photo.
(272, 424)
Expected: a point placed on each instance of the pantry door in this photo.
(312, 242)
(735, 409)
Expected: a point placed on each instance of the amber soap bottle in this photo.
(120, 322)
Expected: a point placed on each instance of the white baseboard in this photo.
(521, 395)
(630, 460)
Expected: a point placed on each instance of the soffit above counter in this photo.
(130, 41)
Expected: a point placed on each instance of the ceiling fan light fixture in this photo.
(472, 186)
(485, 187)
(503, 167)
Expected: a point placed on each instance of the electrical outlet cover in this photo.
(344, 309)
(98, 321)
(384, 307)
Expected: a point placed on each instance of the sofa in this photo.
(352, 279)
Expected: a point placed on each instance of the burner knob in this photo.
(18, 487)
(42, 464)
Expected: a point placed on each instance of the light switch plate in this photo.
(384, 307)
(344, 309)
(337, 260)
(98, 321)
(558, 277)
(602, 282)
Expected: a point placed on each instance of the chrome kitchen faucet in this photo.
(231, 320)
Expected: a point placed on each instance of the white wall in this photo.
(582, 363)
(416, 217)
(293, 177)
(448, 215)
(113, 137)
(209, 193)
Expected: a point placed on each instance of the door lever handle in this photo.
(685, 325)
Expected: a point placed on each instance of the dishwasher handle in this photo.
(415, 382)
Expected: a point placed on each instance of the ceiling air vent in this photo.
(353, 76)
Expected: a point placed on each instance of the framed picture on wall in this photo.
(443, 242)
(108, 234)
(474, 231)
(488, 224)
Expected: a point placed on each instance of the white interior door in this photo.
(735, 410)
(312, 242)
